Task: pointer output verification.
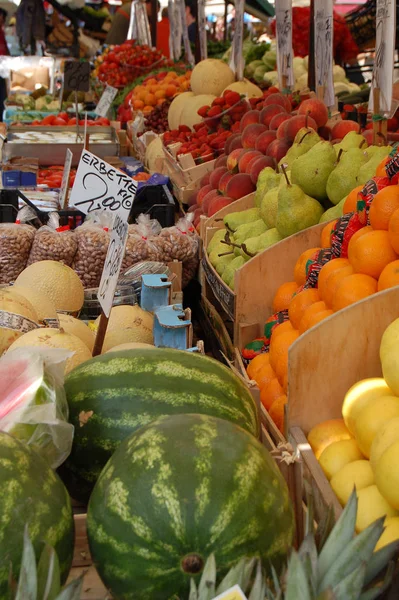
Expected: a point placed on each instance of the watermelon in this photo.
(112, 395)
(177, 490)
(31, 493)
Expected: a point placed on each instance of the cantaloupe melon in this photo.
(55, 338)
(211, 76)
(14, 304)
(128, 324)
(43, 305)
(78, 328)
(130, 346)
(57, 281)
(189, 115)
(250, 90)
(176, 107)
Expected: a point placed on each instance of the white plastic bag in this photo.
(33, 405)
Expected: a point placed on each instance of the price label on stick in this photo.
(323, 51)
(76, 76)
(106, 100)
(283, 10)
(98, 186)
(63, 197)
(382, 82)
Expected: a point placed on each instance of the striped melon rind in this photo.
(114, 394)
(178, 490)
(31, 493)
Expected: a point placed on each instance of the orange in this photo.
(278, 349)
(325, 433)
(277, 412)
(285, 383)
(283, 296)
(389, 276)
(170, 90)
(325, 239)
(381, 172)
(384, 204)
(150, 99)
(300, 265)
(350, 204)
(314, 308)
(371, 252)
(282, 328)
(264, 376)
(326, 270)
(359, 234)
(138, 105)
(257, 363)
(160, 101)
(352, 289)
(319, 316)
(300, 303)
(159, 94)
(147, 109)
(269, 393)
(333, 280)
(393, 231)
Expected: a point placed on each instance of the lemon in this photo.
(357, 474)
(387, 474)
(389, 356)
(337, 455)
(386, 435)
(371, 506)
(325, 433)
(390, 534)
(375, 414)
(359, 395)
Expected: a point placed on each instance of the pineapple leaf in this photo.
(258, 590)
(48, 574)
(351, 586)
(297, 583)
(378, 589)
(206, 588)
(239, 574)
(339, 538)
(324, 528)
(72, 591)
(353, 554)
(193, 591)
(27, 583)
(308, 554)
(379, 561)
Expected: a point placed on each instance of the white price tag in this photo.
(63, 197)
(233, 593)
(384, 57)
(106, 100)
(323, 49)
(98, 186)
(113, 263)
(285, 54)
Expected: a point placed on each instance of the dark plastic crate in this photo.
(8, 206)
(156, 201)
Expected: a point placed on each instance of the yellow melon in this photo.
(189, 115)
(128, 346)
(359, 395)
(13, 305)
(357, 474)
(78, 328)
(337, 455)
(176, 108)
(55, 338)
(385, 436)
(57, 281)
(43, 305)
(390, 533)
(211, 76)
(372, 418)
(245, 87)
(128, 324)
(387, 474)
(325, 433)
(371, 506)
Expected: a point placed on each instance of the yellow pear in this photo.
(357, 474)
(337, 455)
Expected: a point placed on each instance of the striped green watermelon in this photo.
(30, 493)
(112, 395)
(176, 491)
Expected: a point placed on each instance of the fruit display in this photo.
(52, 176)
(64, 119)
(197, 493)
(156, 90)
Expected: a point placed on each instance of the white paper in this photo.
(323, 48)
(233, 593)
(384, 56)
(106, 100)
(186, 41)
(62, 199)
(113, 263)
(98, 186)
(139, 27)
(202, 29)
(237, 62)
(283, 9)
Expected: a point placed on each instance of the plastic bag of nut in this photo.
(15, 244)
(139, 245)
(92, 245)
(176, 243)
(53, 242)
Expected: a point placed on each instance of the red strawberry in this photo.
(203, 111)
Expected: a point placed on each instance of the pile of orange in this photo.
(372, 265)
(153, 92)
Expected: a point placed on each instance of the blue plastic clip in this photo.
(172, 327)
(155, 292)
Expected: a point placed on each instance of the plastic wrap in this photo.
(139, 245)
(33, 405)
(53, 242)
(177, 243)
(15, 245)
(92, 245)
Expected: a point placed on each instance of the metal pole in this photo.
(154, 21)
(226, 5)
(311, 63)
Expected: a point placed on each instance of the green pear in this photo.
(268, 179)
(335, 212)
(368, 169)
(218, 236)
(235, 219)
(243, 232)
(268, 208)
(296, 210)
(343, 178)
(351, 140)
(312, 170)
(255, 245)
(304, 140)
(229, 272)
(223, 262)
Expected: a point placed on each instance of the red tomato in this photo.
(59, 122)
(63, 115)
(49, 120)
(72, 121)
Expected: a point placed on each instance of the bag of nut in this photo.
(15, 244)
(176, 243)
(139, 245)
(53, 242)
(92, 245)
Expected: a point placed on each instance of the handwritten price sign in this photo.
(98, 186)
(62, 200)
(106, 100)
(76, 76)
(384, 57)
(283, 10)
(323, 49)
(113, 263)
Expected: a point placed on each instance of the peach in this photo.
(217, 204)
(278, 119)
(252, 116)
(315, 109)
(280, 99)
(216, 175)
(246, 158)
(202, 192)
(268, 112)
(210, 196)
(341, 128)
(257, 165)
(324, 132)
(239, 186)
(289, 129)
(193, 208)
(233, 158)
(221, 161)
(224, 180)
(205, 179)
(278, 149)
(229, 141)
(192, 201)
(251, 133)
(197, 216)
(235, 144)
(264, 140)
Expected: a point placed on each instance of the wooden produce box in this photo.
(183, 171)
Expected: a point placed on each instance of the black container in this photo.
(8, 206)
(156, 201)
